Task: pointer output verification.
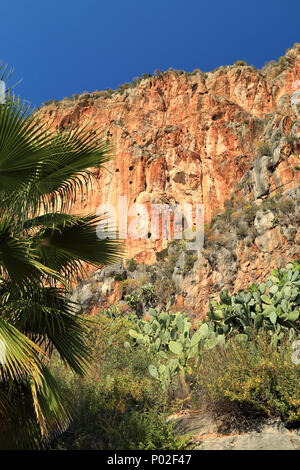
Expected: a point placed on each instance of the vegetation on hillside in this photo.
(282, 64)
(117, 405)
(236, 362)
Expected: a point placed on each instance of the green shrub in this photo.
(264, 148)
(128, 286)
(292, 140)
(142, 298)
(241, 63)
(161, 255)
(164, 289)
(271, 203)
(251, 378)
(242, 232)
(189, 262)
(148, 294)
(169, 266)
(111, 312)
(131, 264)
(116, 405)
(134, 300)
(108, 93)
(47, 103)
(229, 203)
(282, 62)
(120, 277)
(176, 247)
(249, 213)
(239, 360)
(286, 206)
(117, 417)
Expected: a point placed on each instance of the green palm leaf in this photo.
(17, 258)
(48, 318)
(22, 356)
(24, 362)
(42, 173)
(66, 245)
(50, 404)
(69, 174)
(22, 146)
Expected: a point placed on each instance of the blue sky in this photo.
(63, 47)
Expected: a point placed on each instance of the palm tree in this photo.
(43, 248)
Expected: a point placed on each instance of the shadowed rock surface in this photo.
(205, 433)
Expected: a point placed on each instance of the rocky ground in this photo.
(208, 433)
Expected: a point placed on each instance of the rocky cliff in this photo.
(228, 139)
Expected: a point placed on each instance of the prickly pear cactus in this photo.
(273, 305)
(169, 336)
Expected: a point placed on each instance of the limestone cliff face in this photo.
(195, 138)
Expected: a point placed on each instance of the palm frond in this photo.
(17, 258)
(5, 76)
(73, 155)
(47, 317)
(22, 356)
(22, 144)
(63, 247)
(19, 429)
(50, 404)
(24, 362)
(42, 174)
(32, 412)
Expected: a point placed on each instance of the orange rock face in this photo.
(191, 138)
